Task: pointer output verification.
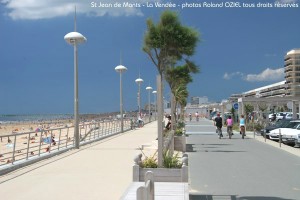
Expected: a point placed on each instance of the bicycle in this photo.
(219, 131)
(243, 131)
(229, 131)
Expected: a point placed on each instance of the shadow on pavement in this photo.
(208, 148)
(232, 197)
(224, 151)
(217, 144)
(190, 148)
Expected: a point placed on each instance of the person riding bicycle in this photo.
(229, 123)
(242, 124)
(197, 116)
(218, 123)
(190, 115)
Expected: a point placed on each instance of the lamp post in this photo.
(149, 107)
(139, 81)
(155, 100)
(120, 69)
(75, 38)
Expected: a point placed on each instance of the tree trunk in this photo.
(173, 112)
(160, 111)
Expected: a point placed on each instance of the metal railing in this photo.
(20, 148)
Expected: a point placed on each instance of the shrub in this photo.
(149, 162)
(178, 132)
(180, 124)
(171, 161)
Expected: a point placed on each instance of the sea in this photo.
(4, 119)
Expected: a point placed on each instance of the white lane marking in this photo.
(198, 132)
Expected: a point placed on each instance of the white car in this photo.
(274, 134)
(292, 137)
(290, 116)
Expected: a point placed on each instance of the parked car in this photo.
(290, 116)
(280, 116)
(279, 124)
(274, 134)
(292, 137)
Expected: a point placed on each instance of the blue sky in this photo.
(240, 49)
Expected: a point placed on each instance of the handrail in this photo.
(28, 146)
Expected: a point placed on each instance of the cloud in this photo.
(228, 76)
(46, 9)
(267, 75)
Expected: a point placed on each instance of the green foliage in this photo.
(262, 107)
(171, 161)
(178, 132)
(249, 108)
(249, 127)
(149, 162)
(254, 126)
(168, 41)
(181, 124)
(232, 110)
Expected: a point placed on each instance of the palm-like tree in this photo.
(180, 94)
(166, 43)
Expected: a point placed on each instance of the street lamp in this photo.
(149, 90)
(155, 101)
(120, 69)
(139, 81)
(75, 38)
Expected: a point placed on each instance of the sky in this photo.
(240, 49)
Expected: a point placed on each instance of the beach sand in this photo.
(11, 128)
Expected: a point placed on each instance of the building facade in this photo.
(290, 87)
(292, 72)
(199, 100)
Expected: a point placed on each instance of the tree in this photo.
(248, 109)
(178, 78)
(169, 41)
(166, 43)
(180, 94)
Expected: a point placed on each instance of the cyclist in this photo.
(218, 124)
(229, 123)
(197, 116)
(242, 125)
(190, 115)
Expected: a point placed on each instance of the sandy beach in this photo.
(23, 127)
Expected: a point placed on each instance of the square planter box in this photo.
(161, 174)
(180, 143)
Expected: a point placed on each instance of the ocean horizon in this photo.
(6, 118)
(13, 118)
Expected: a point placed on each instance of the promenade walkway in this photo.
(238, 169)
(99, 171)
(224, 169)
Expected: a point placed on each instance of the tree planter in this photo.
(161, 174)
(180, 143)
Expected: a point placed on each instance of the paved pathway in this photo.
(100, 171)
(239, 169)
(219, 169)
